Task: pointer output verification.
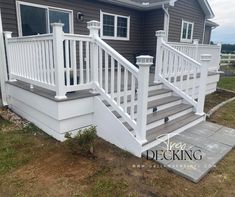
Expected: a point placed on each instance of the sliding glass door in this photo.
(34, 19)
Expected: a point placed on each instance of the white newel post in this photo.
(144, 63)
(7, 35)
(196, 43)
(158, 66)
(94, 28)
(3, 67)
(58, 38)
(205, 59)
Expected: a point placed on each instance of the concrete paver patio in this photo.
(207, 142)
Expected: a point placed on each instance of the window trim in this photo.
(182, 29)
(19, 22)
(115, 37)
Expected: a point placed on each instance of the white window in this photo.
(36, 19)
(187, 31)
(114, 27)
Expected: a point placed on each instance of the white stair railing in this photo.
(120, 83)
(179, 71)
(195, 50)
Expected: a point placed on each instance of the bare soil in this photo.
(51, 170)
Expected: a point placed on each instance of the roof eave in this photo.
(137, 6)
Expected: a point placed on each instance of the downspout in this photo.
(166, 20)
(204, 30)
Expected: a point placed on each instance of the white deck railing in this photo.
(175, 69)
(227, 59)
(65, 62)
(120, 83)
(30, 59)
(58, 61)
(195, 51)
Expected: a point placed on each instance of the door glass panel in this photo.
(184, 31)
(190, 31)
(33, 20)
(60, 17)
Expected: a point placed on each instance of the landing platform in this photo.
(208, 141)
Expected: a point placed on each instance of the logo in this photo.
(169, 150)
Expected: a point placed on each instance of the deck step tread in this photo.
(158, 92)
(163, 101)
(171, 126)
(151, 94)
(153, 117)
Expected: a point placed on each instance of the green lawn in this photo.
(33, 164)
(227, 83)
(225, 115)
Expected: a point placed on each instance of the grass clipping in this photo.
(83, 142)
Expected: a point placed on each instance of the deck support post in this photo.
(158, 65)
(94, 27)
(205, 59)
(144, 62)
(58, 38)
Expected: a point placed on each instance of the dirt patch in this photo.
(51, 170)
(216, 98)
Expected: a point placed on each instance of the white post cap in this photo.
(7, 34)
(206, 57)
(93, 25)
(144, 60)
(160, 33)
(57, 24)
(195, 41)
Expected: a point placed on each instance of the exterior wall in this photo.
(91, 10)
(153, 21)
(188, 10)
(207, 35)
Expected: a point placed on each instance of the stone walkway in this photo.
(199, 149)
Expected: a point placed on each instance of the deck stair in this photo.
(167, 113)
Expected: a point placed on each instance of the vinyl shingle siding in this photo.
(91, 10)
(143, 24)
(188, 10)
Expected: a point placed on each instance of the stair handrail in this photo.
(131, 100)
(176, 70)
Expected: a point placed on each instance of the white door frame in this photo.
(3, 70)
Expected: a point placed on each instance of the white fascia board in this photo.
(136, 5)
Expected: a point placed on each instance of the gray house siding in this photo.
(143, 24)
(153, 21)
(207, 35)
(91, 10)
(188, 10)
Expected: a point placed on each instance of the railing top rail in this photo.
(77, 37)
(181, 54)
(194, 45)
(31, 38)
(117, 56)
(227, 55)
